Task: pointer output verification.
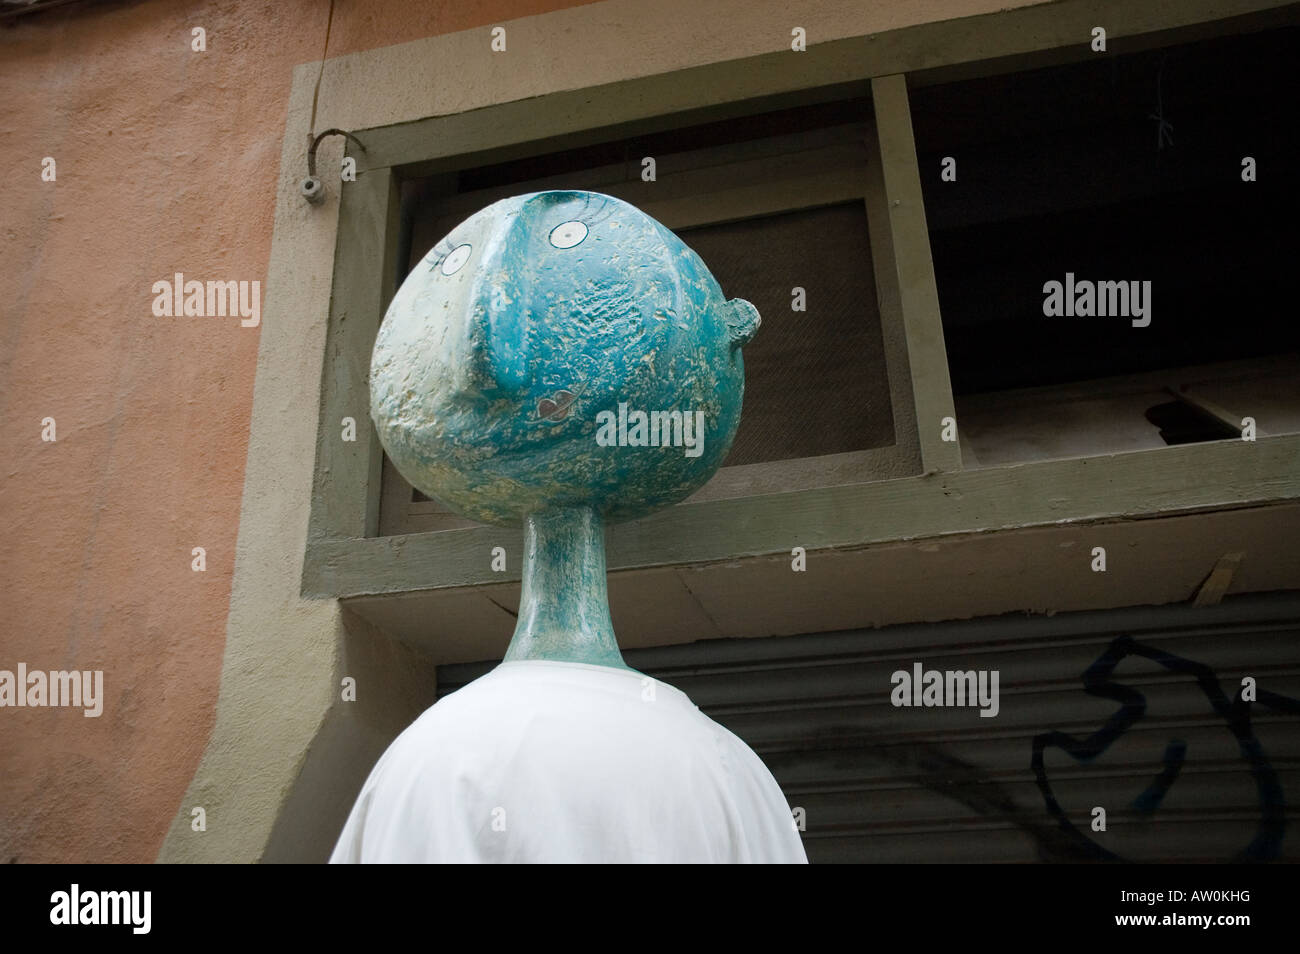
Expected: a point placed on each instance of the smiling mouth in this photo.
(555, 408)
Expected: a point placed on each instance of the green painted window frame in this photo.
(715, 185)
(345, 556)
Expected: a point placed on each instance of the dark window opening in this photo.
(1064, 170)
(1120, 168)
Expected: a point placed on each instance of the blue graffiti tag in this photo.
(1097, 681)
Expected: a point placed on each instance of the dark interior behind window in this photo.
(1068, 169)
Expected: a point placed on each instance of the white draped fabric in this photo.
(565, 762)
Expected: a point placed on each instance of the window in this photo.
(751, 149)
(1138, 179)
(774, 204)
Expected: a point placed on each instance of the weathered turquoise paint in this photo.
(518, 339)
(564, 608)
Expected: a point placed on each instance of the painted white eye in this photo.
(568, 234)
(456, 259)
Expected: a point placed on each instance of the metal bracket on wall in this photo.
(311, 188)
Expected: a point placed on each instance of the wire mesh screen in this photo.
(815, 380)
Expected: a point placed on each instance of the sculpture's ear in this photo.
(742, 321)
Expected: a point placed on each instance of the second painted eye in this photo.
(456, 259)
(568, 234)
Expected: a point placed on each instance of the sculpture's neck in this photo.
(564, 609)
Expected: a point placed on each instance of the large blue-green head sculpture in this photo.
(559, 349)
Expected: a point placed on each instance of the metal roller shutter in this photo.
(1160, 739)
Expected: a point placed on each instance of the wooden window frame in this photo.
(826, 166)
(347, 558)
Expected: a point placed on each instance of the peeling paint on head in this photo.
(487, 376)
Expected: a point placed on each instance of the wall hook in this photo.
(311, 188)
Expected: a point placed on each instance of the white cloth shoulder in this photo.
(565, 762)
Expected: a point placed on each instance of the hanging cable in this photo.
(311, 187)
